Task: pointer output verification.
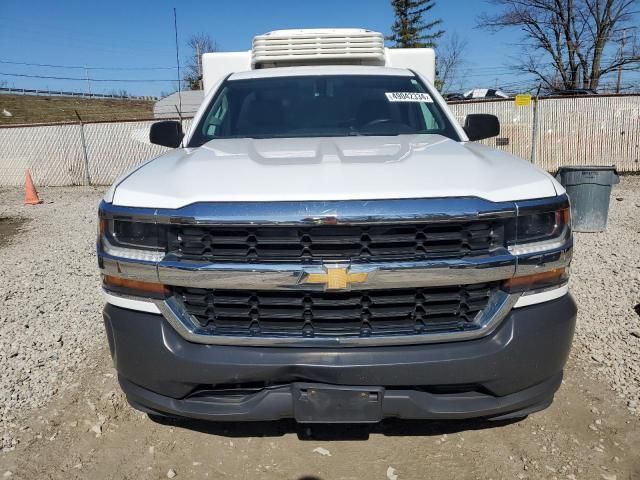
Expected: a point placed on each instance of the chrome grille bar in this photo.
(485, 322)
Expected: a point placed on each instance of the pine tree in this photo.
(409, 29)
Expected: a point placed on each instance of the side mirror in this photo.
(479, 126)
(168, 133)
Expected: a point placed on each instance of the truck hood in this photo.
(340, 168)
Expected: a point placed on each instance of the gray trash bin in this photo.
(589, 189)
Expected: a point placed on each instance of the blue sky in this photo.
(119, 34)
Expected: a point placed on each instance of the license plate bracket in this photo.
(318, 403)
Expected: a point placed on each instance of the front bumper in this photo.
(511, 372)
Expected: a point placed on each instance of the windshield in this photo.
(321, 106)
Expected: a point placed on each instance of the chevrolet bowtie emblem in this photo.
(336, 278)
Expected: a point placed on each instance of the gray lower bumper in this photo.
(513, 371)
(278, 403)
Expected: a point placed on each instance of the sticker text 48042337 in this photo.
(409, 97)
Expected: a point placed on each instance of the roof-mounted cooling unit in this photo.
(326, 46)
(348, 46)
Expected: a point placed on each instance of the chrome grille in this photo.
(351, 313)
(306, 244)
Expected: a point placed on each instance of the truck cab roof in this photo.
(321, 70)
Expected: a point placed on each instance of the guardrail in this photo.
(57, 93)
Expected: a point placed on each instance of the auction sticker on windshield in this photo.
(409, 97)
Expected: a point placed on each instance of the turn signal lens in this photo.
(563, 216)
(103, 226)
(538, 281)
(133, 287)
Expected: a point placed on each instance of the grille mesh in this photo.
(334, 242)
(353, 313)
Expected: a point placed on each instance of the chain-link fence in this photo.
(58, 155)
(597, 130)
(114, 148)
(593, 130)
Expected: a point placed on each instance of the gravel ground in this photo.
(605, 281)
(52, 341)
(50, 302)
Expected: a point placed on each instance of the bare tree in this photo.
(450, 62)
(198, 44)
(123, 93)
(572, 42)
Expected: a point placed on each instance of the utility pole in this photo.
(86, 72)
(199, 63)
(175, 28)
(87, 176)
(535, 130)
(622, 42)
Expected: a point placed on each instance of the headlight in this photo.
(541, 239)
(539, 232)
(133, 240)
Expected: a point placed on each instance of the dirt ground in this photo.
(87, 430)
(91, 433)
(8, 228)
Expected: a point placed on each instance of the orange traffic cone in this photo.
(30, 194)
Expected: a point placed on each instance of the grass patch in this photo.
(40, 109)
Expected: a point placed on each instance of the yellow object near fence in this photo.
(523, 100)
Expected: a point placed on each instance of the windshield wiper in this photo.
(382, 134)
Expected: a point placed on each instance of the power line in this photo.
(84, 79)
(81, 67)
(490, 68)
(24, 31)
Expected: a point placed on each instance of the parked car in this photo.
(575, 91)
(326, 243)
(454, 97)
(485, 93)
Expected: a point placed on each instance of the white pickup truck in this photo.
(326, 243)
